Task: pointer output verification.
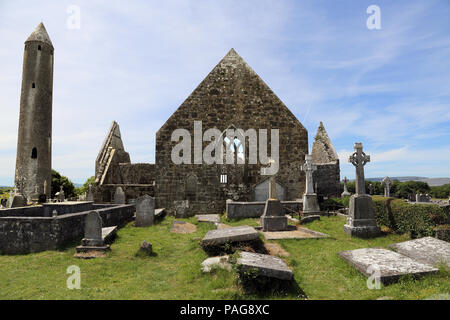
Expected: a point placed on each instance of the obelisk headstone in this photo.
(387, 186)
(310, 203)
(145, 211)
(361, 221)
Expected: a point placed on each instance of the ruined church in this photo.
(232, 96)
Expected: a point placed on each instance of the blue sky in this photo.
(135, 62)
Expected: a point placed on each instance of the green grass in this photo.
(175, 273)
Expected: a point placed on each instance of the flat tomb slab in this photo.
(233, 234)
(182, 227)
(294, 233)
(109, 233)
(212, 218)
(427, 250)
(391, 265)
(266, 265)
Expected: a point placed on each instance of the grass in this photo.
(174, 271)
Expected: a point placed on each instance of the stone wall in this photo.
(231, 96)
(327, 179)
(21, 235)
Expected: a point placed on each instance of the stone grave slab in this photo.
(109, 233)
(182, 227)
(267, 265)
(211, 218)
(391, 264)
(233, 234)
(294, 232)
(219, 262)
(427, 250)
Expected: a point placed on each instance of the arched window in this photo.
(34, 153)
(33, 85)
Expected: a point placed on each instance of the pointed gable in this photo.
(323, 150)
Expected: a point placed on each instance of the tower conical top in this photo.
(40, 34)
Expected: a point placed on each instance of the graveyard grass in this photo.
(174, 271)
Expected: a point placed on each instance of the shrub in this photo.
(419, 220)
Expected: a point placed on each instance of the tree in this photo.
(58, 181)
(408, 187)
(85, 187)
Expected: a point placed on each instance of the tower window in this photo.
(39, 47)
(223, 178)
(33, 85)
(34, 153)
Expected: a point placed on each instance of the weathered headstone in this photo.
(386, 182)
(146, 247)
(18, 200)
(361, 220)
(93, 230)
(310, 202)
(345, 193)
(181, 208)
(273, 218)
(145, 211)
(89, 194)
(119, 196)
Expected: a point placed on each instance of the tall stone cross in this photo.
(387, 186)
(272, 184)
(359, 160)
(45, 187)
(309, 168)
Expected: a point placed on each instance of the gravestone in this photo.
(361, 220)
(310, 203)
(181, 208)
(146, 247)
(60, 195)
(119, 196)
(89, 194)
(427, 250)
(386, 182)
(388, 264)
(345, 193)
(93, 230)
(233, 234)
(145, 211)
(18, 200)
(266, 265)
(273, 218)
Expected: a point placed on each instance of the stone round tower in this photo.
(34, 144)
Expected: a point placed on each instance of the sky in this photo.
(135, 62)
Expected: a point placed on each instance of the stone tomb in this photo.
(93, 244)
(234, 234)
(273, 218)
(391, 265)
(267, 265)
(427, 250)
(145, 211)
(211, 218)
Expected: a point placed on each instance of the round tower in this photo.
(34, 144)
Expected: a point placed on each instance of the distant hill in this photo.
(431, 181)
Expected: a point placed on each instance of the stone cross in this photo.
(387, 186)
(345, 193)
(45, 187)
(309, 168)
(359, 160)
(370, 188)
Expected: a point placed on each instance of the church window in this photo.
(34, 153)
